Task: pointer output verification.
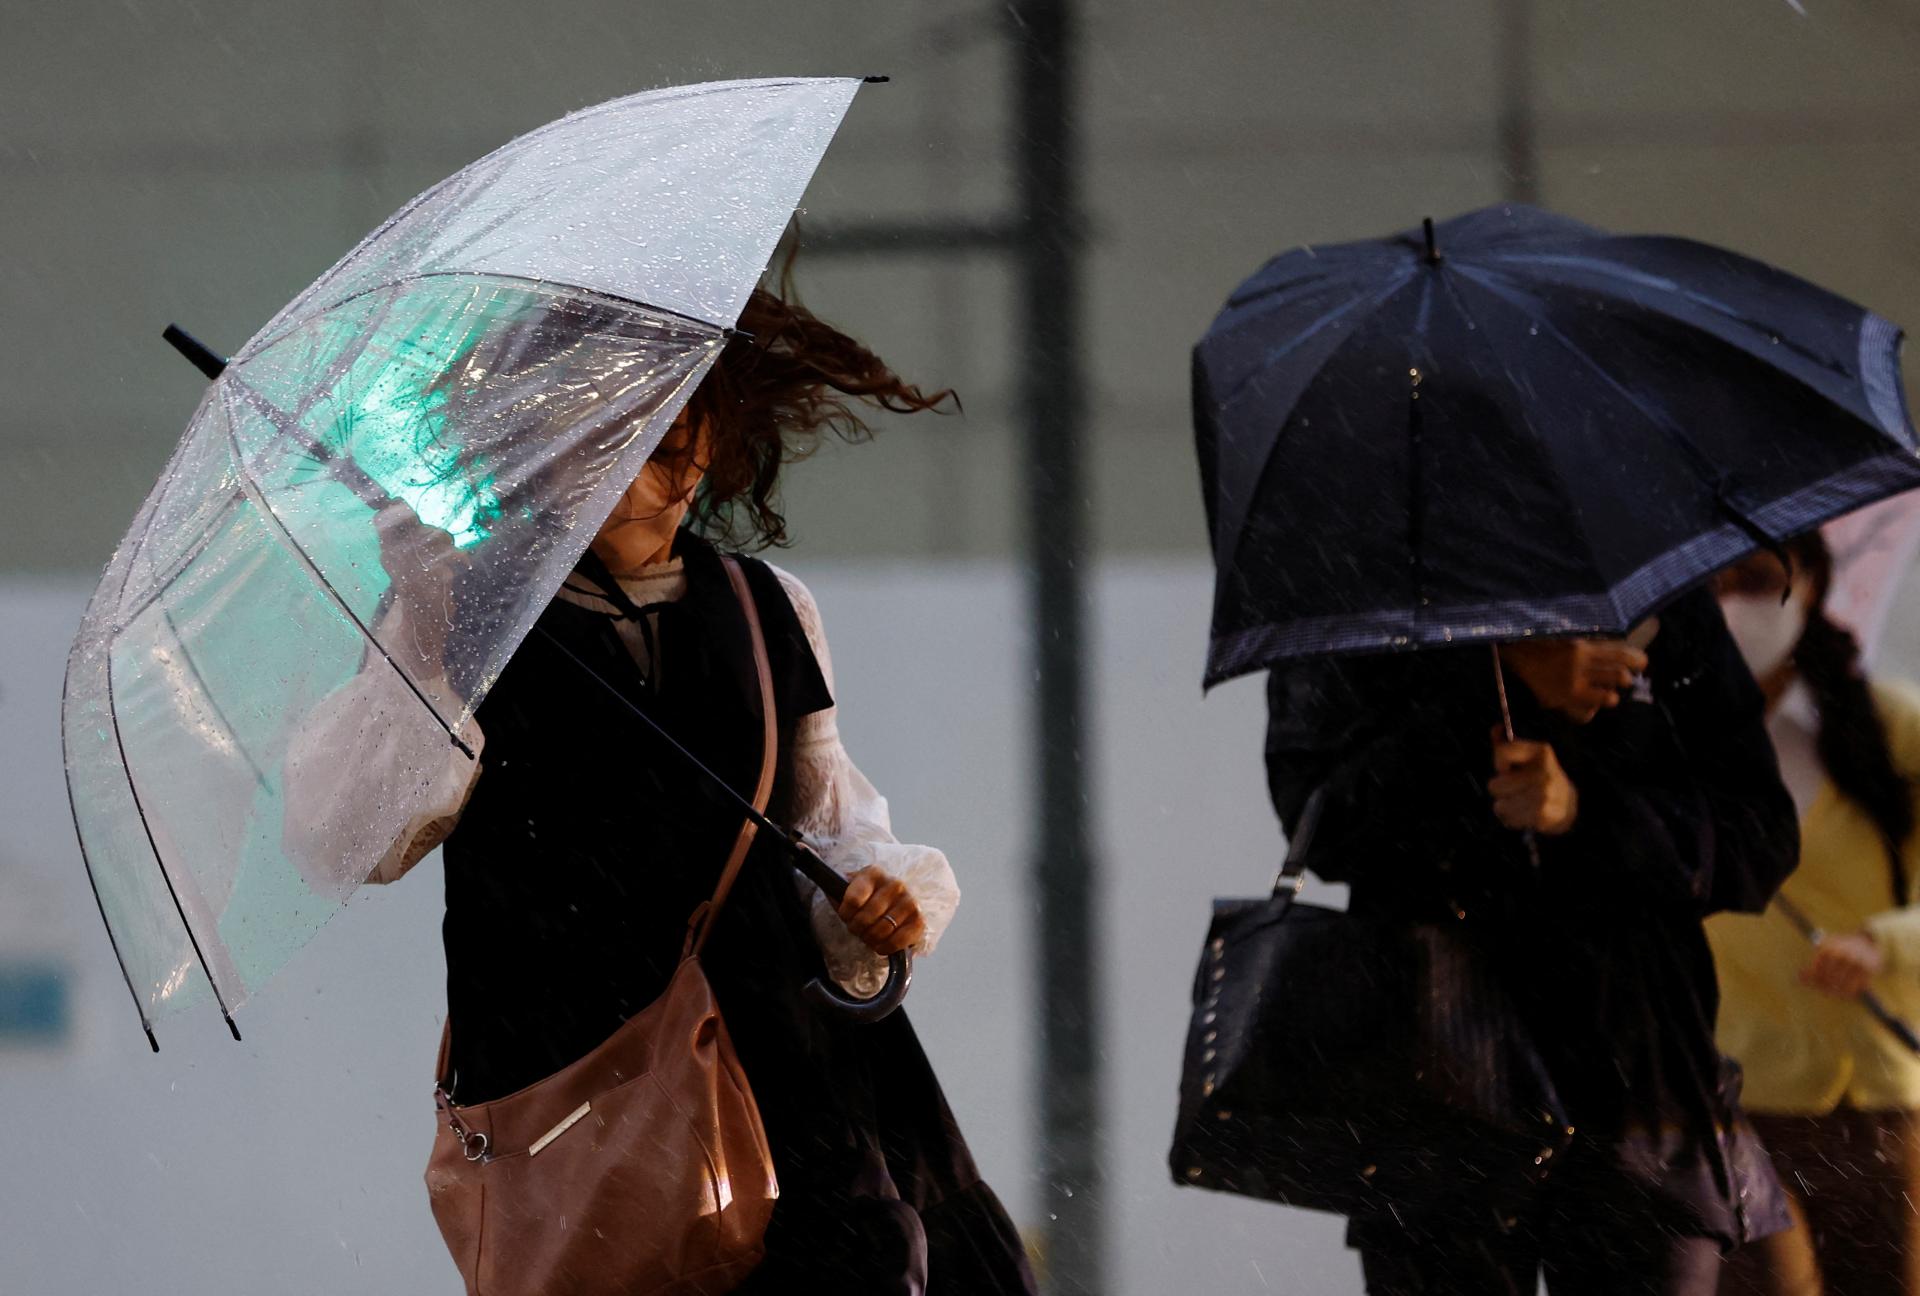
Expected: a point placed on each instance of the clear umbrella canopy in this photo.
(278, 672)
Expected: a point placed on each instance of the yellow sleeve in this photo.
(1898, 703)
(1897, 932)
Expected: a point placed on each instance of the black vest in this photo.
(587, 842)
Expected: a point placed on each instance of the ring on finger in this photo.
(893, 924)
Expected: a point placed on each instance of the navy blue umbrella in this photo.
(1516, 424)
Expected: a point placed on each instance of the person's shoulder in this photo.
(805, 609)
(1898, 702)
(796, 591)
(766, 576)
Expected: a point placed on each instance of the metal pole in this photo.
(1519, 142)
(1043, 240)
(1052, 400)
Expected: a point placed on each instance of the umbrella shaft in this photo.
(818, 871)
(1500, 684)
(1506, 723)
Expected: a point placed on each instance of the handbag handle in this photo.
(1293, 873)
(701, 924)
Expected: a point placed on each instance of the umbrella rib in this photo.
(1599, 285)
(251, 349)
(1602, 284)
(86, 861)
(1710, 473)
(159, 583)
(664, 93)
(166, 874)
(1559, 477)
(254, 494)
(1239, 524)
(1273, 296)
(1708, 470)
(73, 808)
(140, 546)
(219, 713)
(1274, 355)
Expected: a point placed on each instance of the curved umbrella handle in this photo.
(825, 993)
(892, 994)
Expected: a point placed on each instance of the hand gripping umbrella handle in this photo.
(825, 993)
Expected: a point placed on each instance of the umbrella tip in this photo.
(230, 1025)
(152, 1042)
(1433, 252)
(875, 80)
(198, 354)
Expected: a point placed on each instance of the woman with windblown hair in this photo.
(584, 843)
(1831, 1089)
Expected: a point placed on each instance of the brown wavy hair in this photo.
(784, 381)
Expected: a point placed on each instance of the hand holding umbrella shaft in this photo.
(1579, 678)
(1866, 998)
(1530, 791)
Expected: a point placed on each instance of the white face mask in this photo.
(1764, 629)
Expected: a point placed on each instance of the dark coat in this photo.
(587, 845)
(1681, 814)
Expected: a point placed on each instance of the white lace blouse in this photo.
(841, 814)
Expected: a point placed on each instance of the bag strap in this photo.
(701, 921)
(1293, 873)
(700, 925)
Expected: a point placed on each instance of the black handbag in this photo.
(1358, 1065)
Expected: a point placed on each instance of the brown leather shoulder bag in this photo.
(642, 1168)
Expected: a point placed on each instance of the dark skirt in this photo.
(879, 1193)
(903, 1209)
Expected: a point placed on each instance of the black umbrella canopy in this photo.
(1517, 424)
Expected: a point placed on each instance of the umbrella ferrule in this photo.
(198, 354)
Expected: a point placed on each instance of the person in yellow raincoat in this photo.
(1832, 1090)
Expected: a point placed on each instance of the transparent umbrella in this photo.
(376, 498)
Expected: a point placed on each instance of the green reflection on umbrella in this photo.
(390, 412)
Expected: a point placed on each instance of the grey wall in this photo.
(291, 1163)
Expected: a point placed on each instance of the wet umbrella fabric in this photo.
(466, 392)
(1526, 426)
